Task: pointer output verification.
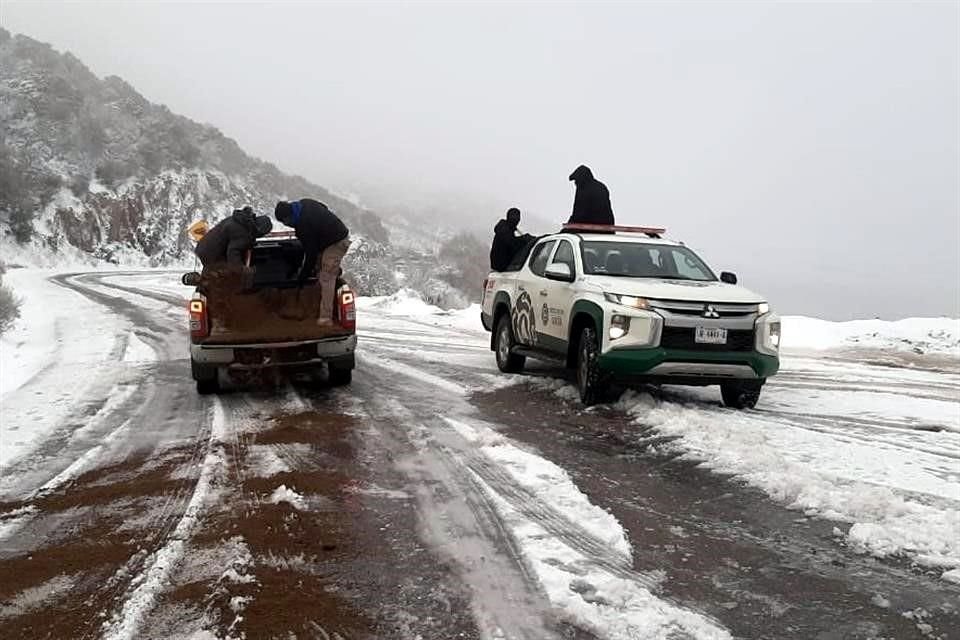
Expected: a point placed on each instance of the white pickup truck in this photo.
(622, 305)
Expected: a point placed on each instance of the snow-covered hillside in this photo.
(92, 172)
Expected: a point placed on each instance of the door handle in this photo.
(543, 292)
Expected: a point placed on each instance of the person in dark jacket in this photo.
(506, 242)
(229, 240)
(591, 204)
(325, 241)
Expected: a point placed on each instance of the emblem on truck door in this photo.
(709, 311)
(525, 320)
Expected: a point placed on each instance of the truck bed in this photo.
(265, 314)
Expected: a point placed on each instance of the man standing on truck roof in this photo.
(229, 240)
(325, 240)
(591, 204)
(506, 242)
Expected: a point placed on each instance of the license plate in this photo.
(710, 335)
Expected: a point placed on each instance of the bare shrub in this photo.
(9, 306)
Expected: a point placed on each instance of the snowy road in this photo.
(436, 498)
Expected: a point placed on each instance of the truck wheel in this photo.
(206, 377)
(741, 395)
(589, 379)
(503, 342)
(340, 377)
(207, 387)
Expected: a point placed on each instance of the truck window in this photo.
(564, 255)
(539, 256)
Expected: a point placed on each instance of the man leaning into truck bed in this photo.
(229, 240)
(325, 240)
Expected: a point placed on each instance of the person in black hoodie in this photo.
(591, 204)
(506, 242)
(229, 240)
(325, 241)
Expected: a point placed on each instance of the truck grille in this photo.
(722, 309)
(682, 338)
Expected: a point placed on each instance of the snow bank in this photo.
(405, 302)
(408, 302)
(868, 483)
(919, 335)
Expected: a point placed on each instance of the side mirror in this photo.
(728, 277)
(191, 279)
(559, 271)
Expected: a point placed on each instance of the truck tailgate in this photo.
(268, 316)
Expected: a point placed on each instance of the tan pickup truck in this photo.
(246, 323)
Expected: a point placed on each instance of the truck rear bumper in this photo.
(278, 354)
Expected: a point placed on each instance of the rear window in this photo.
(276, 263)
(639, 260)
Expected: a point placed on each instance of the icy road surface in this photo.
(436, 498)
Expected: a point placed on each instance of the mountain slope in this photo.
(90, 167)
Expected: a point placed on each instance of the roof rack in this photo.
(280, 234)
(650, 232)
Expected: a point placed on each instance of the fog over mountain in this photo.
(812, 148)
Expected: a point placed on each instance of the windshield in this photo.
(638, 260)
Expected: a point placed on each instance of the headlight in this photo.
(628, 301)
(763, 308)
(619, 326)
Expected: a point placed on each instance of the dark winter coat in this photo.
(591, 204)
(229, 240)
(506, 244)
(316, 227)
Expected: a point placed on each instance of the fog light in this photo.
(619, 326)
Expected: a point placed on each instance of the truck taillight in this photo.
(348, 310)
(199, 323)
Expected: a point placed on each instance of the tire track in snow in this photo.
(86, 432)
(147, 586)
(101, 279)
(506, 603)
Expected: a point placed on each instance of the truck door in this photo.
(527, 307)
(555, 310)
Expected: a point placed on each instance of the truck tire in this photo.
(206, 377)
(502, 344)
(209, 386)
(340, 377)
(741, 394)
(589, 378)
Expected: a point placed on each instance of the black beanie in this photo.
(262, 225)
(513, 214)
(283, 211)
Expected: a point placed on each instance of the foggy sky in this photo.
(812, 148)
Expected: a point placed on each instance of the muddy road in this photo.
(433, 498)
